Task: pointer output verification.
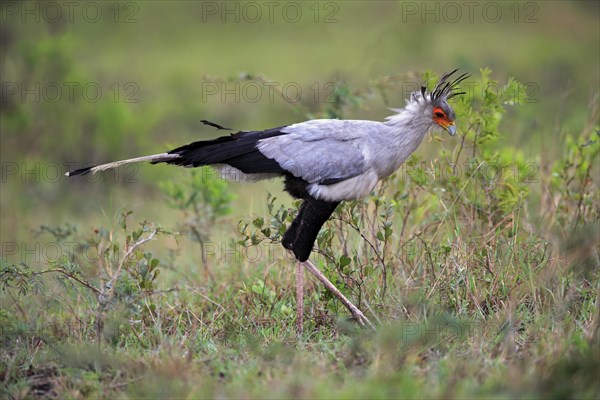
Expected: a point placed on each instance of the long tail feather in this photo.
(155, 158)
(237, 150)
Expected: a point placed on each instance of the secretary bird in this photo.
(322, 161)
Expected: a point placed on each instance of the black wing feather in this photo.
(238, 150)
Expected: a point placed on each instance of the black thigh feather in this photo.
(302, 233)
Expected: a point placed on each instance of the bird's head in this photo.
(433, 106)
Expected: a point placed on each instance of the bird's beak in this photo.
(449, 126)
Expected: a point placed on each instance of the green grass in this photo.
(222, 339)
(478, 261)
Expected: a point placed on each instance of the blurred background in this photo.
(91, 82)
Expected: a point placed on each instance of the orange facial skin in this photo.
(440, 118)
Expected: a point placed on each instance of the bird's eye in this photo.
(439, 114)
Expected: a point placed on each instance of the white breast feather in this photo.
(350, 189)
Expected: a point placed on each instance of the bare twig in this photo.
(69, 275)
(205, 297)
(109, 285)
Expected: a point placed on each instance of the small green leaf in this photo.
(136, 234)
(344, 261)
(258, 222)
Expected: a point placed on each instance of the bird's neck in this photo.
(406, 131)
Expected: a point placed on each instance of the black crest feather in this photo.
(448, 89)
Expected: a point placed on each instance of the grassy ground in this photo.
(477, 261)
